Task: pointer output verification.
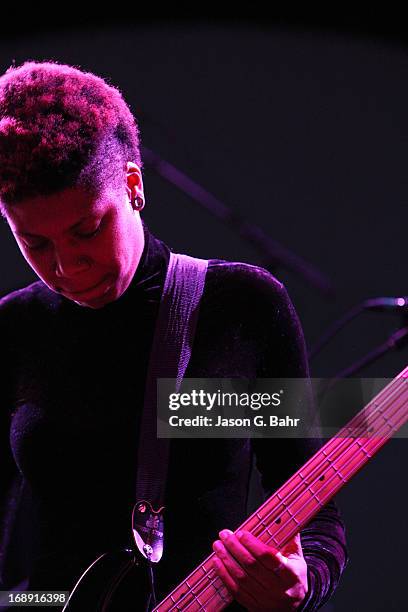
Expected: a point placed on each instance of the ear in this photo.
(134, 182)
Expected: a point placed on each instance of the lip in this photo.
(84, 291)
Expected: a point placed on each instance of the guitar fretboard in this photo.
(302, 496)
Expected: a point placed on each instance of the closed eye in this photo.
(35, 247)
(38, 246)
(89, 234)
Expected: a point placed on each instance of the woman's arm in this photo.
(323, 539)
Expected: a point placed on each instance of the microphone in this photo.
(386, 303)
(381, 304)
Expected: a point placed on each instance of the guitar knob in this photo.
(148, 550)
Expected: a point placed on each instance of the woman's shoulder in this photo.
(246, 281)
(253, 302)
(27, 300)
(245, 294)
(238, 270)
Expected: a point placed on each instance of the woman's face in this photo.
(83, 246)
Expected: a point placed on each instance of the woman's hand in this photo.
(257, 575)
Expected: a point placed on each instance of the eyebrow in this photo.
(73, 227)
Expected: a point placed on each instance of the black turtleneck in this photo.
(72, 392)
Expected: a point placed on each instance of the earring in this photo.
(137, 203)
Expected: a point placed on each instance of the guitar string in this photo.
(326, 497)
(346, 446)
(360, 416)
(189, 604)
(202, 592)
(211, 584)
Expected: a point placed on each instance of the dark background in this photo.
(299, 123)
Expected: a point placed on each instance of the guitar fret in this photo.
(177, 606)
(339, 474)
(300, 498)
(292, 517)
(361, 445)
(279, 496)
(262, 521)
(175, 602)
(212, 580)
(201, 607)
(303, 478)
(377, 407)
(388, 422)
(217, 589)
(309, 489)
(186, 596)
(314, 495)
(266, 527)
(332, 464)
(197, 600)
(206, 572)
(221, 592)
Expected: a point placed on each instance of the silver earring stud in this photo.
(137, 203)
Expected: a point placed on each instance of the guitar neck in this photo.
(309, 489)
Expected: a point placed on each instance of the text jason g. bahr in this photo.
(257, 421)
(206, 400)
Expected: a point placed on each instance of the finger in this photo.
(236, 591)
(269, 557)
(239, 552)
(267, 554)
(293, 548)
(223, 573)
(236, 570)
(241, 564)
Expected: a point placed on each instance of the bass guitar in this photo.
(110, 582)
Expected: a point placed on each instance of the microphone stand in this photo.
(345, 400)
(395, 341)
(374, 304)
(271, 251)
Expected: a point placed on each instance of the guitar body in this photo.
(115, 582)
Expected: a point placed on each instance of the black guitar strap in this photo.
(169, 358)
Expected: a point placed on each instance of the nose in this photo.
(67, 264)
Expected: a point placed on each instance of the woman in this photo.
(77, 345)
